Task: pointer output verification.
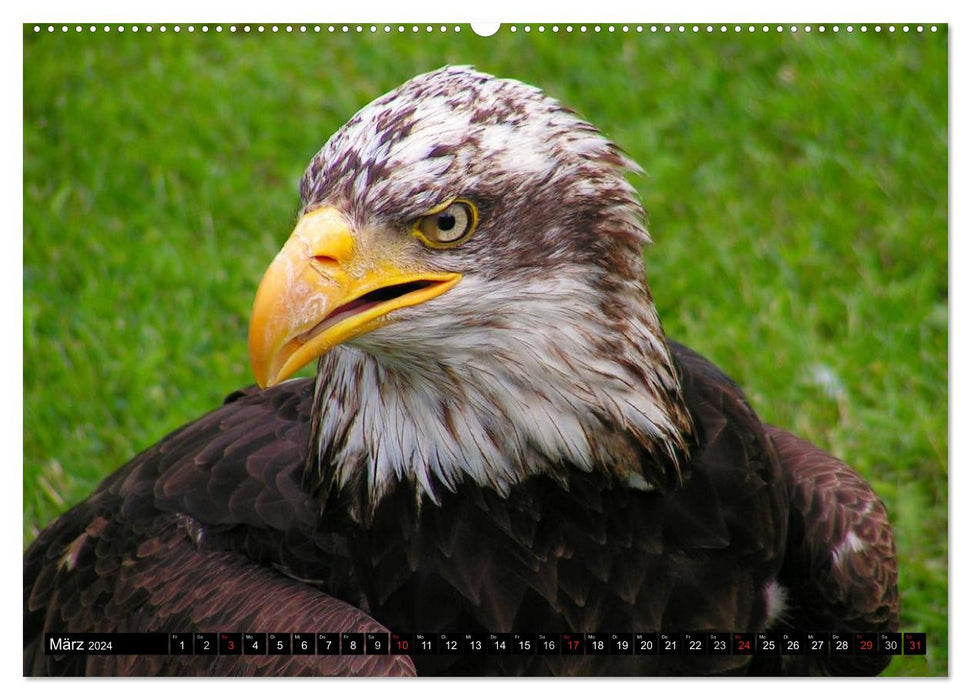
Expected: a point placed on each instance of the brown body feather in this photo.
(841, 564)
(215, 529)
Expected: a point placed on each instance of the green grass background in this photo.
(796, 186)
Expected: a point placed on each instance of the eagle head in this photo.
(468, 269)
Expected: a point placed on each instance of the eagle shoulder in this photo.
(841, 564)
(166, 544)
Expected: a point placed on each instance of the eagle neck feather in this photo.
(545, 383)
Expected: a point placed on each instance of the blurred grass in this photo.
(796, 185)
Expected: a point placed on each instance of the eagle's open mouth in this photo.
(367, 301)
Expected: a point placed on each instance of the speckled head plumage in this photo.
(547, 355)
(456, 131)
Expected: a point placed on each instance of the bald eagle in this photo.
(499, 438)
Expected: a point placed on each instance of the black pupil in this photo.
(446, 221)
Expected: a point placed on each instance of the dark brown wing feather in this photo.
(841, 566)
(153, 550)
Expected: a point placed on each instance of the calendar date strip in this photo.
(488, 644)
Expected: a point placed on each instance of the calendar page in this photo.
(380, 349)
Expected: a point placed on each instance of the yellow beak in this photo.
(321, 290)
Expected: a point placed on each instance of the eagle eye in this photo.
(448, 226)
